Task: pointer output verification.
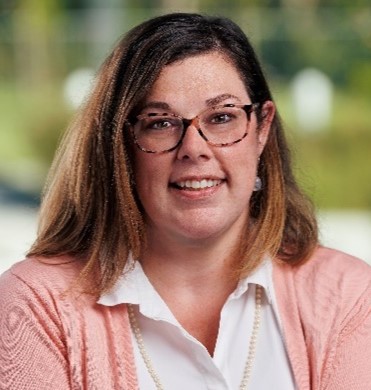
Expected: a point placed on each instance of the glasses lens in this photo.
(158, 132)
(223, 124)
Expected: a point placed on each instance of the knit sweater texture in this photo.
(50, 340)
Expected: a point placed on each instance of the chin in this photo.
(201, 233)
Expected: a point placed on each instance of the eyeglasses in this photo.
(221, 126)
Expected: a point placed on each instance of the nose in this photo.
(193, 145)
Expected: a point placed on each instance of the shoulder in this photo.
(330, 286)
(41, 273)
(325, 259)
(37, 296)
(37, 284)
(329, 269)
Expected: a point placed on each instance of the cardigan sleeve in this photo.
(326, 315)
(351, 364)
(32, 349)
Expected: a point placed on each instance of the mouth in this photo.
(196, 185)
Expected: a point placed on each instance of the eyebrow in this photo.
(209, 102)
(155, 104)
(220, 98)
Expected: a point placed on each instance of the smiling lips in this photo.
(195, 185)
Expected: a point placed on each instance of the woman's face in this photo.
(188, 215)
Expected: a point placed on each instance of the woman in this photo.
(175, 250)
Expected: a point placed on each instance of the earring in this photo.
(258, 184)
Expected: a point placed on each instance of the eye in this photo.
(221, 118)
(158, 124)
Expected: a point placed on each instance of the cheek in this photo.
(142, 173)
(139, 171)
(244, 158)
(242, 166)
(150, 176)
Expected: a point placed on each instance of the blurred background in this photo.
(317, 56)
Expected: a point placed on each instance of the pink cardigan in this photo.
(49, 342)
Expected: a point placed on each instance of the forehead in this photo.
(198, 78)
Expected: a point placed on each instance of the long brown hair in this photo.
(90, 209)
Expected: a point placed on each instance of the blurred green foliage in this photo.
(42, 41)
(334, 166)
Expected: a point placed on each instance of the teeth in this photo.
(197, 184)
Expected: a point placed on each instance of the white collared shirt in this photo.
(181, 362)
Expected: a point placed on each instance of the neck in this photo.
(192, 264)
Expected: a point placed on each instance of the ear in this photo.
(268, 111)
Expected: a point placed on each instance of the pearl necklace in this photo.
(250, 357)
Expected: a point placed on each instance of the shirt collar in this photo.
(130, 287)
(262, 276)
(134, 287)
